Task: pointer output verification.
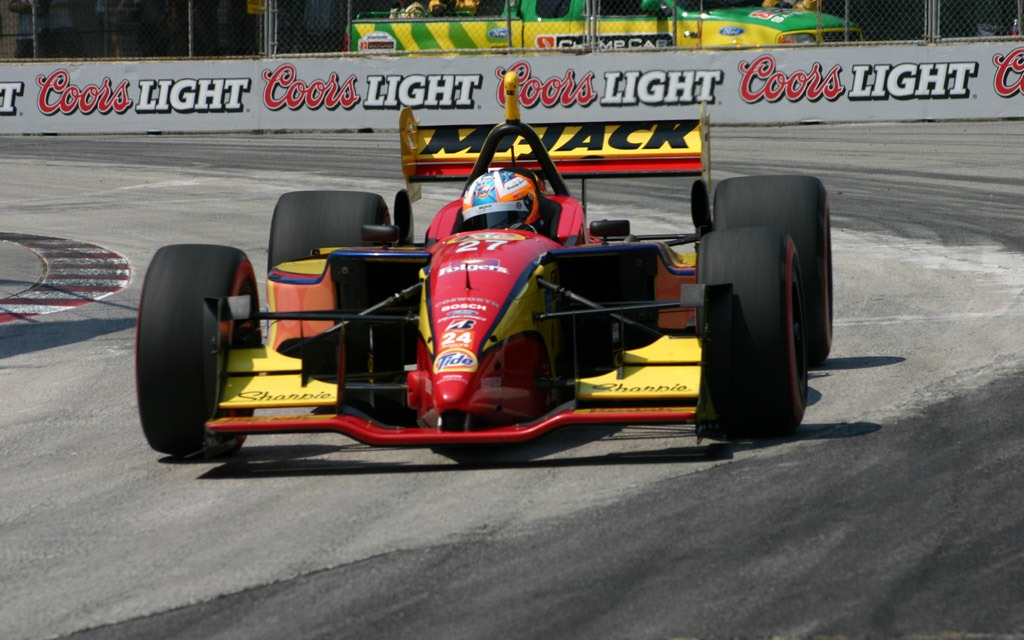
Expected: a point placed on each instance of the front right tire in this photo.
(754, 358)
(799, 206)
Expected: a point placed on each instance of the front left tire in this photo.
(180, 346)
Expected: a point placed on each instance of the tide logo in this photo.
(455, 360)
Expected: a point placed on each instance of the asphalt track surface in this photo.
(897, 510)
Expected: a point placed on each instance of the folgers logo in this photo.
(488, 265)
(455, 360)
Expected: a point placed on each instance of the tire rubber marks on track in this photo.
(76, 273)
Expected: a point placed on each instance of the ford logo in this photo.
(498, 33)
(731, 31)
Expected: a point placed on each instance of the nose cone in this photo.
(450, 392)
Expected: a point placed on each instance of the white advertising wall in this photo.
(848, 84)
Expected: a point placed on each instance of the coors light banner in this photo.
(845, 84)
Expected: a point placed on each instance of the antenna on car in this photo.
(511, 84)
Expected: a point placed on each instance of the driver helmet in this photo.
(500, 199)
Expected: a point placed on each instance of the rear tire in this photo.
(799, 206)
(755, 365)
(308, 220)
(177, 357)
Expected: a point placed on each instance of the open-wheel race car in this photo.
(512, 318)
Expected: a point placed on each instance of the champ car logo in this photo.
(455, 360)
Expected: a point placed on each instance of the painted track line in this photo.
(76, 274)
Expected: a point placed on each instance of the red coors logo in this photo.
(565, 91)
(57, 94)
(1009, 79)
(284, 89)
(761, 81)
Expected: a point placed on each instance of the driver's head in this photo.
(499, 199)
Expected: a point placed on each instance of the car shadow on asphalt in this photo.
(683, 448)
(569, 447)
(856, 362)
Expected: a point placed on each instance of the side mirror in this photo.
(403, 216)
(700, 207)
(609, 228)
(384, 234)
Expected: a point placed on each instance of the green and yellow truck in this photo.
(618, 24)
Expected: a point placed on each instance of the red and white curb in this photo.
(76, 273)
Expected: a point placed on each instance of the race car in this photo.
(513, 317)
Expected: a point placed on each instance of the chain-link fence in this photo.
(129, 28)
(120, 29)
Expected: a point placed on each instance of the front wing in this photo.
(361, 428)
(657, 384)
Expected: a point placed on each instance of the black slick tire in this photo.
(755, 364)
(799, 206)
(308, 220)
(177, 352)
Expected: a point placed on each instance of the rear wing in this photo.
(578, 150)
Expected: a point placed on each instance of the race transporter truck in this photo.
(626, 24)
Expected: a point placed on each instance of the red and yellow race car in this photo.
(512, 318)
